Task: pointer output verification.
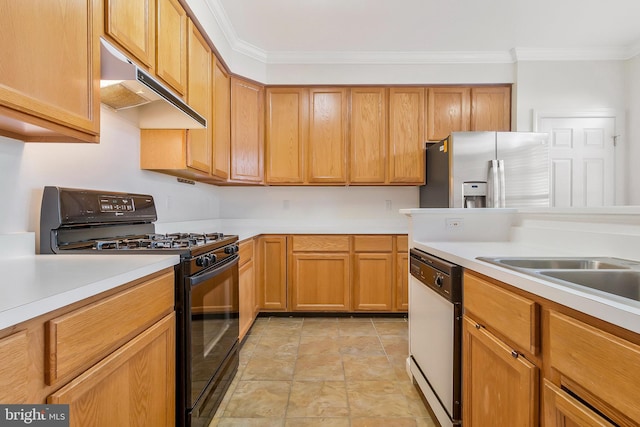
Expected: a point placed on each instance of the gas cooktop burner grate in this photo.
(149, 241)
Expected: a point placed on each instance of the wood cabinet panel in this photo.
(448, 110)
(247, 297)
(14, 361)
(34, 106)
(199, 98)
(287, 131)
(368, 135)
(133, 386)
(221, 121)
(601, 363)
(320, 282)
(373, 282)
(402, 243)
(320, 243)
(247, 123)
(373, 243)
(327, 156)
(171, 43)
(563, 410)
(132, 24)
(503, 312)
(78, 339)
(406, 135)
(272, 272)
(499, 389)
(402, 282)
(491, 108)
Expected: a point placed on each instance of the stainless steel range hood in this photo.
(123, 85)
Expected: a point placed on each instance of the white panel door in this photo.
(582, 155)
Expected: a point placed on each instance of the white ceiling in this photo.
(423, 31)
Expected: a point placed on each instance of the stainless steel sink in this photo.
(614, 276)
(625, 283)
(559, 263)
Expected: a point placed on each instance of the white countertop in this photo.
(32, 285)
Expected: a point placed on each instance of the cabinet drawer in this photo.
(373, 243)
(601, 363)
(14, 368)
(403, 243)
(511, 315)
(80, 338)
(561, 409)
(320, 243)
(246, 251)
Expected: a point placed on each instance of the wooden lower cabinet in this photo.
(373, 282)
(500, 386)
(563, 410)
(320, 282)
(13, 368)
(247, 279)
(402, 282)
(135, 385)
(271, 277)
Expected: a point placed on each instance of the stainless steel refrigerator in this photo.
(487, 169)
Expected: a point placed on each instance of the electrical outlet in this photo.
(454, 223)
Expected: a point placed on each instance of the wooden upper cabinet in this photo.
(221, 121)
(199, 97)
(327, 156)
(448, 110)
(491, 108)
(287, 132)
(132, 24)
(49, 89)
(368, 136)
(171, 41)
(406, 135)
(247, 131)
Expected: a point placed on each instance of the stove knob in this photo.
(200, 261)
(230, 250)
(203, 261)
(213, 258)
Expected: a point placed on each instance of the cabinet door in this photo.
(327, 153)
(448, 110)
(247, 297)
(247, 123)
(132, 24)
(491, 108)
(406, 135)
(199, 98)
(287, 131)
(14, 365)
(320, 282)
(171, 40)
(500, 387)
(373, 282)
(272, 272)
(402, 282)
(563, 410)
(368, 136)
(35, 61)
(135, 385)
(221, 121)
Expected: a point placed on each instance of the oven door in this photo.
(212, 327)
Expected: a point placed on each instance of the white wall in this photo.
(25, 168)
(633, 130)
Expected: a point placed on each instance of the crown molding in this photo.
(594, 54)
(345, 57)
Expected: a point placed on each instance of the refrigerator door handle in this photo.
(494, 185)
(503, 191)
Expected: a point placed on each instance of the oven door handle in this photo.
(208, 274)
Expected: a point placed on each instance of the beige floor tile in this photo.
(269, 368)
(249, 422)
(319, 344)
(402, 319)
(378, 399)
(392, 328)
(399, 364)
(317, 320)
(258, 399)
(278, 345)
(318, 399)
(320, 328)
(355, 328)
(395, 346)
(384, 422)
(426, 422)
(317, 422)
(368, 368)
(361, 345)
(319, 367)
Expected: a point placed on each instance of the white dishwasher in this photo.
(435, 333)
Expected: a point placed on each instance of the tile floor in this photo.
(316, 371)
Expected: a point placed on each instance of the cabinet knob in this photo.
(514, 354)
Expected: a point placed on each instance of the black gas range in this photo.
(76, 221)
